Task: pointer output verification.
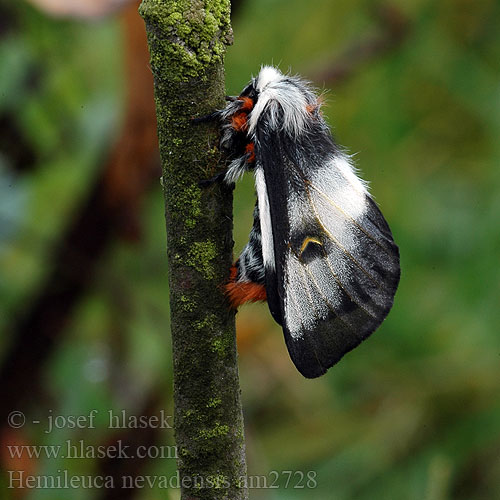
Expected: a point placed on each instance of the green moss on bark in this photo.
(218, 430)
(194, 35)
(201, 256)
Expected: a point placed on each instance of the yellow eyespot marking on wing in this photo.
(306, 242)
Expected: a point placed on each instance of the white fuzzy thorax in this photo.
(277, 91)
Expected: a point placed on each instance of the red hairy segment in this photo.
(311, 108)
(250, 149)
(247, 103)
(240, 292)
(239, 121)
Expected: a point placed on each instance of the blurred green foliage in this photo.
(414, 412)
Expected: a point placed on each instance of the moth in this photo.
(320, 251)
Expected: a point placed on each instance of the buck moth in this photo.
(320, 250)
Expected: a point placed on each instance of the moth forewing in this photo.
(320, 250)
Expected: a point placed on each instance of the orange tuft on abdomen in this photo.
(240, 292)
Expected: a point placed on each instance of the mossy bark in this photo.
(187, 40)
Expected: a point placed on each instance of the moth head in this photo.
(284, 100)
(250, 91)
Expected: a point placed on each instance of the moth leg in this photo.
(217, 178)
(218, 114)
(214, 116)
(233, 172)
(247, 281)
(211, 117)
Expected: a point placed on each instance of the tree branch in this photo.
(187, 42)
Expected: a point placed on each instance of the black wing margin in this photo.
(336, 265)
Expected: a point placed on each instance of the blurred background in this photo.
(413, 90)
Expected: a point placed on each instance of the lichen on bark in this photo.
(187, 41)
